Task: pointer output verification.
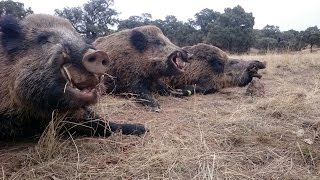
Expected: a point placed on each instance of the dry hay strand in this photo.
(49, 143)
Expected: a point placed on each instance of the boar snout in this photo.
(96, 61)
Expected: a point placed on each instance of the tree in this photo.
(271, 38)
(266, 44)
(233, 30)
(204, 18)
(180, 33)
(135, 21)
(93, 19)
(170, 26)
(131, 22)
(271, 31)
(312, 36)
(268, 39)
(147, 18)
(15, 9)
(293, 39)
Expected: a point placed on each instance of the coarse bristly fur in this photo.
(211, 70)
(139, 57)
(33, 54)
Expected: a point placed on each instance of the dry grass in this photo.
(222, 136)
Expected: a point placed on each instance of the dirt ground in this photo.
(227, 135)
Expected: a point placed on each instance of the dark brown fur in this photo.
(139, 57)
(211, 70)
(33, 53)
(240, 72)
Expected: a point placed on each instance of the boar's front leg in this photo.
(162, 89)
(143, 90)
(90, 124)
(189, 90)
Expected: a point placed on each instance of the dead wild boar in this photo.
(211, 70)
(139, 58)
(46, 67)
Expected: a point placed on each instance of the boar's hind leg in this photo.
(93, 125)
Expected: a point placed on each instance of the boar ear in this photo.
(11, 34)
(138, 40)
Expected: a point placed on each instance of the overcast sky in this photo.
(287, 14)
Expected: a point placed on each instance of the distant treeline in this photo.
(231, 30)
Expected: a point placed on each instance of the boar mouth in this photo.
(179, 60)
(254, 67)
(85, 90)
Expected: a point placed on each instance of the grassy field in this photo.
(226, 135)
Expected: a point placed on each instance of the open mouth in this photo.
(254, 68)
(85, 90)
(254, 72)
(179, 60)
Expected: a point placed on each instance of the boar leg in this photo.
(189, 90)
(143, 90)
(162, 89)
(92, 125)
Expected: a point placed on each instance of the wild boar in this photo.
(46, 67)
(139, 58)
(211, 70)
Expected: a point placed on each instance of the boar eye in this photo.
(43, 38)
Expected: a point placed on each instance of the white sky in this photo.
(287, 14)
